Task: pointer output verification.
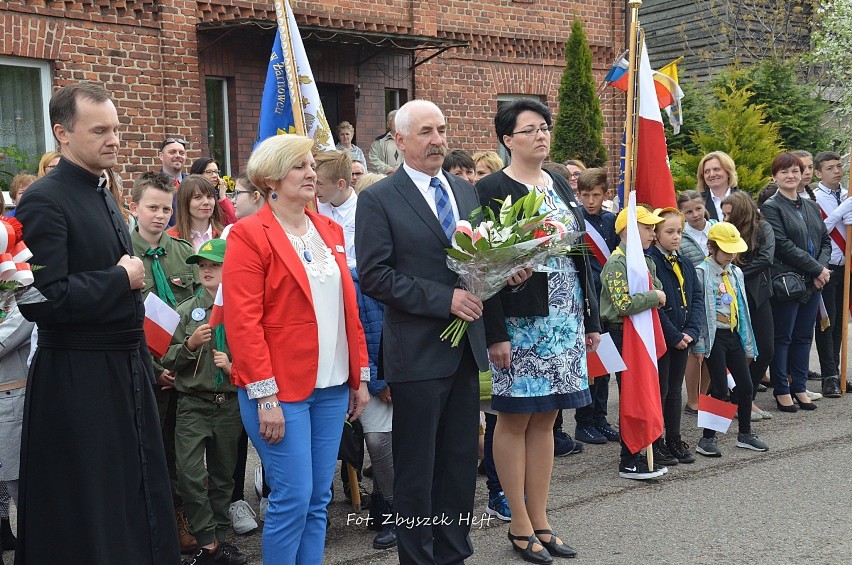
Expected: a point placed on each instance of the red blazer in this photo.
(269, 313)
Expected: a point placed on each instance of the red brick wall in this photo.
(154, 61)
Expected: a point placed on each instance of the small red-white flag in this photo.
(605, 360)
(216, 315)
(715, 414)
(160, 324)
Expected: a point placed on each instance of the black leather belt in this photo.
(214, 397)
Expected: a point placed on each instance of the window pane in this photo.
(21, 119)
(217, 131)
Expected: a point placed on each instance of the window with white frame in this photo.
(24, 120)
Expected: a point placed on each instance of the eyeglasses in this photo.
(575, 175)
(168, 140)
(238, 192)
(531, 132)
(212, 172)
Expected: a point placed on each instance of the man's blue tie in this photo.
(444, 208)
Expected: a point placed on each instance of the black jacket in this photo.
(792, 233)
(679, 318)
(708, 202)
(531, 298)
(758, 264)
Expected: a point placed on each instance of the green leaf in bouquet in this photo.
(482, 244)
(464, 242)
(456, 254)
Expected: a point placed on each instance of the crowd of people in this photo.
(330, 270)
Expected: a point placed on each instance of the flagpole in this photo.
(844, 347)
(290, 65)
(631, 130)
(632, 98)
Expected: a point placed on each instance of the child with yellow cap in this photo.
(617, 302)
(726, 341)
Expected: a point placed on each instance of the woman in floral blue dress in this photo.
(538, 334)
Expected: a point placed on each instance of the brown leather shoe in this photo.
(186, 539)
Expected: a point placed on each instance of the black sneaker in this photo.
(814, 376)
(228, 554)
(638, 469)
(680, 449)
(662, 455)
(564, 445)
(607, 431)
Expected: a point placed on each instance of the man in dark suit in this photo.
(403, 263)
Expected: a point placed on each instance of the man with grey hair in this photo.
(402, 229)
(385, 156)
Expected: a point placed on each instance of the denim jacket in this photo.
(709, 278)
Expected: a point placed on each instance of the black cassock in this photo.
(94, 485)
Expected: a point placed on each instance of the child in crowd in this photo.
(726, 340)
(829, 195)
(198, 216)
(169, 277)
(337, 199)
(681, 319)
(20, 183)
(617, 302)
(592, 425)
(208, 414)
(693, 248)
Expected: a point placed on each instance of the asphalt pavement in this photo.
(788, 505)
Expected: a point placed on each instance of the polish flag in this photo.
(653, 178)
(216, 315)
(160, 324)
(597, 244)
(605, 360)
(715, 414)
(641, 412)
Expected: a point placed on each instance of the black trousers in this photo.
(671, 367)
(764, 336)
(435, 440)
(828, 342)
(726, 355)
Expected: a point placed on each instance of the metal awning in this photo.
(376, 39)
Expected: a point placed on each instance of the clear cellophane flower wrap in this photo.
(519, 237)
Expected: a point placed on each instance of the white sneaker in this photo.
(264, 503)
(813, 395)
(242, 517)
(258, 482)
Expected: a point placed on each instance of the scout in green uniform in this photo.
(169, 277)
(208, 414)
(617, 302)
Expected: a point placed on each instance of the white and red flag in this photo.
(597, 244)
(160, 324)
(715, 414)
(216, 315)
(605, 360)
(641, 411)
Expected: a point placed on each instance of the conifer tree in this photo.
(578, 128)
(740, 129)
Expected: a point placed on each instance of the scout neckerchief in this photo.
(678, 273)
(160, 280)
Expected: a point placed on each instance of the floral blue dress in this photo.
(548, 359)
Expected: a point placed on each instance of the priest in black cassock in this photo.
(94, 487)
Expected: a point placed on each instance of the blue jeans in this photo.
(492, 481)
(299, 470)
(794, 331)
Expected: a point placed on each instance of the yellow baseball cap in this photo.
(727, 237)
(643, 216)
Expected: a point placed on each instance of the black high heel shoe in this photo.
(782, 408)
(553, 548)
(527, 554)
(804, 405)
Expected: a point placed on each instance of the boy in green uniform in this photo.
(208, 414)
(617, 302)
(169, 277)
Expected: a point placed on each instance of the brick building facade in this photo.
(195, 68)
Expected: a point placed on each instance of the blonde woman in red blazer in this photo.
(299, 354)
